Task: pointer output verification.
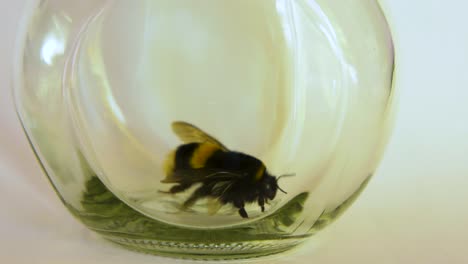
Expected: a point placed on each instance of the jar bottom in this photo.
(205, 251)
(105, 214)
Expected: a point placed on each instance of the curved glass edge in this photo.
(105, 213)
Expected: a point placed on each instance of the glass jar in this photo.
(206, 129)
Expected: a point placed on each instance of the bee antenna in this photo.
(286, 175)
(281, 189)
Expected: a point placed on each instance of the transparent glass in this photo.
(165, 126)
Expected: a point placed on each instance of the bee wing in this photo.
(190, 176)
(218, 189)
(221, 187)
(185, 176)
(213, 206)
(189, 133)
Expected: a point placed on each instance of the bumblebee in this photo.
(230, 177)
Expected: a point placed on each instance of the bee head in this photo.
(270, 185)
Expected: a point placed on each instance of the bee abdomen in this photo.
(169, 163)
(201, 154)
(189, 156)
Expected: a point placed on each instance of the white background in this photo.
(415, 210)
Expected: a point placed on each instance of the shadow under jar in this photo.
(206, 129)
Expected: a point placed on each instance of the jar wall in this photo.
(304, 86)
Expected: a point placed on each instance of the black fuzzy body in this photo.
(227, 160)
(245, 176)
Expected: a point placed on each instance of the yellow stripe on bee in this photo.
(169, 163)
(202, 154)
(259, 173)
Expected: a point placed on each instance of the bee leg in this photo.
(177, 189)
(199, 193)
(261, 203)
(243, 213)
(240, 204)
